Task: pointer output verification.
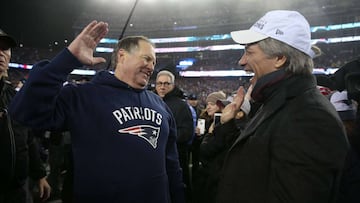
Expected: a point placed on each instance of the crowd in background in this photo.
(333, 56)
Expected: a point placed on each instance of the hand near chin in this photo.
(84, 44)
(230, 111)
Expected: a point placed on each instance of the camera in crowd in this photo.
(346, 78)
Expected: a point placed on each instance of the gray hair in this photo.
(167, 73)
(297, 62)
(129, 44)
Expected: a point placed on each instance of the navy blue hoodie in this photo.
(124, 139)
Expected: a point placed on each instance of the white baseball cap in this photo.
(289, 27)
(343, 105)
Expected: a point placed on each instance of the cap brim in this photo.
(247, 36)
(9, 40)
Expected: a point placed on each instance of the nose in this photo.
(151, 66)
(208, 107)
(243, 60)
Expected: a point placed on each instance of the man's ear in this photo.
(280, 61)
(121, 55)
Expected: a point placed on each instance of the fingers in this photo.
(253, 80)
(239, 98)
(101, 30)
(46, 194)
(44, 189)
(83, 45)
(90, 26)
(97, 60)
(41, 191)
(96, 30)
(248, 92)
(240, 91)
(230, 111)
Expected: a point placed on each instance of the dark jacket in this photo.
(292, 150)
(19, 152)
(185, 130)
(213, 149)
(182, 114)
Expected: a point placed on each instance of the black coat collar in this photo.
(276, 97)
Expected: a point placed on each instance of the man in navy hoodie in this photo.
(123, 136)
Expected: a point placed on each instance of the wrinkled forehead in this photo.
(146, 45)
(163, 78)
(146, 48)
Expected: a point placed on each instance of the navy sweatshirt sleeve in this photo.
(36, 104)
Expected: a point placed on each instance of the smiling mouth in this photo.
(147, 76)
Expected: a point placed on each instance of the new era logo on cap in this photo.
(279, 32)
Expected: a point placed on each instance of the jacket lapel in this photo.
(275, 102)
(264, 112)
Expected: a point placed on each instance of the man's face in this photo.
(135, 68)
(163, 85)
(5, 55)
(193, 102)
(255, 60)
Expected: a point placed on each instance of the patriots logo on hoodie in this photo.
(147, 132)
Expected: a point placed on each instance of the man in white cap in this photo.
(293, 149)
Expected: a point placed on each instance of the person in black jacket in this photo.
(174, 98)
(350, 181)
(294, 147)
(214, 146)
(19, 152)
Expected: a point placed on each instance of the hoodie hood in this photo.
(108, 78)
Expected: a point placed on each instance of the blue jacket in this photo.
(124, 139)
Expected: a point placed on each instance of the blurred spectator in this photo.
(174, 98)
(350, 182)
(192, 99)
(20, 153)
(206, 176)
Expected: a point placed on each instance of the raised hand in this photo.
(231, 109)
(84, 44)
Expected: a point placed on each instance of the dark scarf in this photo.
(267, 84)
